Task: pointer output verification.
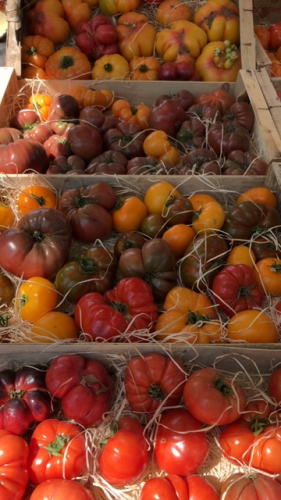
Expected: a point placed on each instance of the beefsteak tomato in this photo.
(59, 489)
(174, 487)
(13, 466)
(238, 486)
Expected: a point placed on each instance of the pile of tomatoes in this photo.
(270, 39)
(94, 132)
(147, 428)
(85, 265)
(137, 40)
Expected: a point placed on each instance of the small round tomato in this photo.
(179, 237)
(34, 197)
(125, 455)
(159, 195)
(57, 489)
(259, 195)
(128, 214)
(153, 225)
(212, 398)
(241, 255)
(52, 327)
(35, 297)
(181, 446)
(7, 217)
(254, 327)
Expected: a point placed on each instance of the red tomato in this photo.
(13, 466)
(83, 386)
(152, 379)
(255, 487)
(173, 487)
(56, 451)
(125, 456)
(60, 489)
(213, 399)
(253, 443)
(274, 385)
(181, 446)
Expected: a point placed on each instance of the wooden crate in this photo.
(17, 26)
(266, 140)
(268, 87)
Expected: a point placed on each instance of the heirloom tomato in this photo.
(181, 445)
(57, 450)
(59, 489)
(47, 19)
(153, 226)
(275, 35)
(144, 263)
(266, 246)
(131, 239)
(7, 289)
(209, 217)
(180, 37)
(202, 261)
(218, 97)
(244, 163)
(241, 254)
(113, 7)
(36, 49)
(34, 297)
(228, 136)
(128, 214)
(125, 455)
(51, 327)
(254, 327)
(85, 141)
(219, 19)
(136, 35)
(217, 64)
(253, 487)
(7, 217)
(144, 68)
(138, 114)
(179, 236)
(126, 138)
(236, 288)
(117, 314)
(88, 211)
(263, 35)
(153, 380)
(38, 246)
(90, 271)
(174, 487)
(259, 195)
(13, 466)
(158, 144)
(256, 444)
(112, 66)
(160, 196)
(20, 155)
(170, 11)
(212, 398)
(165, 117)
(68, 62)
(24, 399)
(83, 386)
(189, 314)
(268, 274)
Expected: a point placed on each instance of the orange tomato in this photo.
(210, 216)
(128, 214)
(52, 327)
(34, 197)
(263, 35)
(7, 217)
(170, 11)
(35, 297)
(259, 195)
(158, 195)
(179, 237)
(30, 72)
(41, 104)
(241, 255)
(253, 327)
(268, 273)
(199, 199)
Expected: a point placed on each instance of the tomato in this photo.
(275, 35)
(257, 408)
(174, 487)
(226, 137)
(256, 443)
(131, 239)
(34, 197)
(266, 246)
(254, 327)
(125, 455)
(180, 445)
(57, 450)
(7, 289)
(128, 214)
(274, 385)
(88, 210)
(24, 399)
(179, 237)
(212, 398)
(51, 327)
(268, 273)
(210, 216)
(36, 296)
(253, 487)
(153, 380)
(263, 35)
(117, 314)
(241, 254)
(159, 195)
(259, 195)
(235, 288)
(7, 217)
(126, 138)
(153, 225)
(59, 489)
(83, 386)
(38, 246)
(13, 466)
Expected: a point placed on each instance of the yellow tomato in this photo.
(253, 327)
(7, 217)
(179, 237)
(53, 327)
(199, 199)
(35, 297)
(158, 195)
(128, 214)
(210, 216)
(241, 255)
(259, 195)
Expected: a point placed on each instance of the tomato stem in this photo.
(257, 425)
(221, 386)
(156, 392)
(92, 379)
(55, 447)
(87, 264)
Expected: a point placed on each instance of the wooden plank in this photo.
(247, 38)
(8, 89)
(13, 40)
(272, 100)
